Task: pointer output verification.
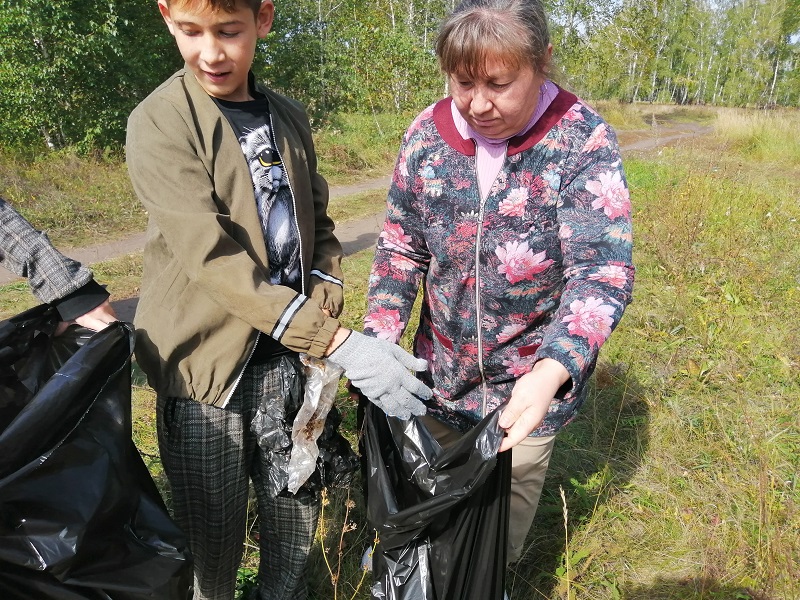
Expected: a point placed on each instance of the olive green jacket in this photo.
(205, 295)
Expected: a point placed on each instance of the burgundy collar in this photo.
(443, 118)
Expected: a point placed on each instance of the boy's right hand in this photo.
(380, 370)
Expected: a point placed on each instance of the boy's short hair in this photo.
(226, 5)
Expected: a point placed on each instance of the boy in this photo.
(241, 272)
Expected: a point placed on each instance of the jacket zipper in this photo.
(478, 306)
(302, 269)
(294, 207)
(478, 311)
(241, 373)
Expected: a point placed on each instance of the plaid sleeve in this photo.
(28, 253)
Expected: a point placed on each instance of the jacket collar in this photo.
(443, 119)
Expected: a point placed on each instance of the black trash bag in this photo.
(441, 514)
(80, 516)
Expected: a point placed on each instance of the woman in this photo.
(509, 206)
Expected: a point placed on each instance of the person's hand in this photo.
(530, 400)
(96, 319)
(380, 370)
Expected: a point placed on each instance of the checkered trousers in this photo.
(210, 456)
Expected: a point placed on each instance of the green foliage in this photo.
(739, 53)
(355, 144)
(72, 70)
(354, 56)
(246, 582)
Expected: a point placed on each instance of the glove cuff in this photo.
(345, 350)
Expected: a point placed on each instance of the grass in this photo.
(78, 201)
(766, 136)
(679, 479)
(346, 208)
(356, 147)
(624, 116)
(83, 201)
(681, 473)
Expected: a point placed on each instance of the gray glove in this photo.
(380, 370)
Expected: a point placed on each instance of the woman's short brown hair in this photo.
(514, 31)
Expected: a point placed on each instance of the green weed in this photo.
(346, 208)
(78, 201)
(353, 147)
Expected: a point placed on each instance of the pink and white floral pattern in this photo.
(597, 140)
(539, 268)
(517, 366)
(514, 205)
(616, 275)
(393, 236)
(518, 262)
(590, 319)
(385, 323)
(403, 263)
(612, 194)
(509, 332)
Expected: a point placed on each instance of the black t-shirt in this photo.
(251, 122)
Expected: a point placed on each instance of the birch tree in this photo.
(72, 70)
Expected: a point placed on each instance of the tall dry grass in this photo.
(681, 474)
(764, 135)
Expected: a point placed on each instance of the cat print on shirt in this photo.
(275, 208)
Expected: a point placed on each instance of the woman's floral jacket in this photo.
(540, 268)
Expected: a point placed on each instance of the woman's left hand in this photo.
(530, 400)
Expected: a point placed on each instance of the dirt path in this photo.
(360, 234)
(660, 135)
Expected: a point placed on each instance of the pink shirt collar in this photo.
(490, 153)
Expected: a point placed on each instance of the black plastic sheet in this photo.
(441, 514)
(80, 516)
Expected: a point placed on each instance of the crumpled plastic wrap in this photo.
(322, 383)
(301, 421)
(270, 425)
(80, 516)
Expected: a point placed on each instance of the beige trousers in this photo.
(529, 461)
